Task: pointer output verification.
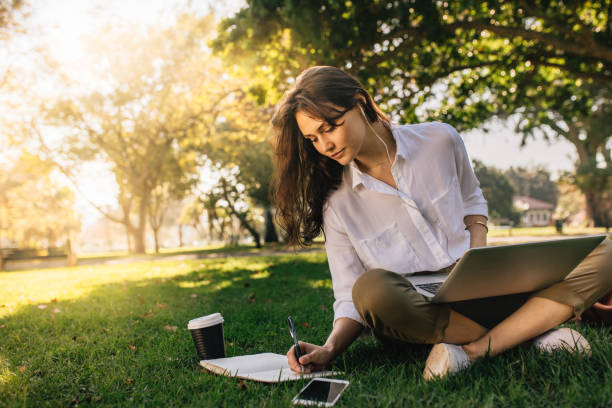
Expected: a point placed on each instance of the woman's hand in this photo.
(314, 358)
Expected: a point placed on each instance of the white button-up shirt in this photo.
(418, 227)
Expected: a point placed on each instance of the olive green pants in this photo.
(395, 312)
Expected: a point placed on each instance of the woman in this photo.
(394, 200)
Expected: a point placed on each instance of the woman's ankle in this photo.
(473, 350)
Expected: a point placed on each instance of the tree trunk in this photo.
(242, 217)
(599, 209)
(244, 222)
(598, 206)
(138, 234)
(223, 228)
(156, 239)
(71, 255)
(180, 235)
(140, 230)
(211, 227)
(128, 235)
(271, 235)
(50, 240)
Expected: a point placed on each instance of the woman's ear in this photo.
(361, 104)
(362, 101)
(361, 108)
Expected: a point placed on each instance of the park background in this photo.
(135, 143)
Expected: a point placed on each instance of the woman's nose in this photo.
(328, 144)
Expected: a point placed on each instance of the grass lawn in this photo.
(202, 250)
(543, 231)
(116, 336)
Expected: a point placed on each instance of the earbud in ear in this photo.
(362, 112)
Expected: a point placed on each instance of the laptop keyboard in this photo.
(430, 287)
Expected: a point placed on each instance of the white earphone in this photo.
(379, 138)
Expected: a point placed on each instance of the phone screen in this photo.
(321, 391)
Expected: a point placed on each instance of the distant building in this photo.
(534, 213)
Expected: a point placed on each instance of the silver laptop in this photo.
(506, 269)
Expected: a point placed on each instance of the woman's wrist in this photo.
(476, 225)
(332, 350)
(345, 331)
(478, 236)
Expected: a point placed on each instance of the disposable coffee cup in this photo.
(207, 333)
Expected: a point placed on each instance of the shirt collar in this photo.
(358, 176)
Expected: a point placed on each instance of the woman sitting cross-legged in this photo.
(393, 200)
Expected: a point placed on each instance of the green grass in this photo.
(318, 242)
(105, 337)
(543, 231)
(202, 250)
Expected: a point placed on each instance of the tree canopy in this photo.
(149, 121)
(535, 183)
(459, 61)
(242, 141)
(411, 44)
(498, 191)
(8, 12)
(35, 210)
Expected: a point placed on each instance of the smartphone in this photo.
(322, 392)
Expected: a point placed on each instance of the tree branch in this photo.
(601, 78)
(542, 16)
(596, 50)
(71, 178)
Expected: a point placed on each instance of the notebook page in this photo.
(283, 375)
(250, 363)
(265, 367)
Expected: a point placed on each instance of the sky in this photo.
(61, 28)
(62, 25)
(501, 148)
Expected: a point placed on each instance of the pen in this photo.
(298, 352)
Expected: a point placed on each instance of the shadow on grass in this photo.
(126, 343)
(196, 253)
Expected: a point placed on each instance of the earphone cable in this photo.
(386, 149)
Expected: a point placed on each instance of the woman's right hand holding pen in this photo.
(314, 358)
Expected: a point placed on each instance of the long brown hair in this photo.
(304, 178)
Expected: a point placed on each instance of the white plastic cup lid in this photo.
(205, 321)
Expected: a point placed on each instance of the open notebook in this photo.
(264, 367)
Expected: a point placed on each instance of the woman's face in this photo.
(342, 143)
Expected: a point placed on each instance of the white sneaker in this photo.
(445, 359)
(562, 339)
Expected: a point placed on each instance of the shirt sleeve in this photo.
(344, 265)
(474, 202)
